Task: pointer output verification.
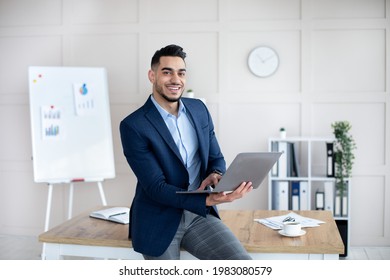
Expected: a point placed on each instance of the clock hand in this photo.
(268, 58)
(260, 58)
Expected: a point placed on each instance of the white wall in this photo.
(333, 67)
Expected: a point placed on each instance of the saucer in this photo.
(281, 232)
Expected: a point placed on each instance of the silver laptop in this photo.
(246, 167)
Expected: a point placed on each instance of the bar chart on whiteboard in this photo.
(51, 123)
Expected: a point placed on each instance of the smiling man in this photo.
(171, 146)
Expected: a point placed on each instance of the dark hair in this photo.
(170, 50)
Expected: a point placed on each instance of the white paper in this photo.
(84, 99)
(51, 123)
(277, 221)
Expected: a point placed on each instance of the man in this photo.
(170, 145)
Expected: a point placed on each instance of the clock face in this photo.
(263, 61)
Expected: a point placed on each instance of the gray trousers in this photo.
(205, 238)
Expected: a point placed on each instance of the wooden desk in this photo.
(83, 236)
(323, 242)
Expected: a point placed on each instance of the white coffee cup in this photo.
(292, 228)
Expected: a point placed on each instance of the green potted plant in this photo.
(343, 154)
(282, 132)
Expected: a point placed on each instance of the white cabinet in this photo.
(303, 179)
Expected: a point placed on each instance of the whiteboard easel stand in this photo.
(70, 205)
(71, 187)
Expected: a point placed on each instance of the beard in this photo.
(160, 91)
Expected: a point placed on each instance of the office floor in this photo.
(28, 248)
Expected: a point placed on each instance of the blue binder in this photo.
(295, 195)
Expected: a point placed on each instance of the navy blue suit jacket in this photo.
(149, 148)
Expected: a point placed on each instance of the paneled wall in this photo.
(333, 66)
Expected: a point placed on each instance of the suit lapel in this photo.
(152, 114)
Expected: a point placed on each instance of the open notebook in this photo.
(115, 214)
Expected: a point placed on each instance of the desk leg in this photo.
(52, 251)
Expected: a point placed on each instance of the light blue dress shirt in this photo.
(186, 140)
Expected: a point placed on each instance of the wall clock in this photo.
(263, 61)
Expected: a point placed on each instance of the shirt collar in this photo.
(164, 113)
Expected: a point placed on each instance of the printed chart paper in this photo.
(51, 122)
(84, 99)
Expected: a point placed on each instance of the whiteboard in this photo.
(70, 124)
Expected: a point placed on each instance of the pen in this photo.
(117, 214)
